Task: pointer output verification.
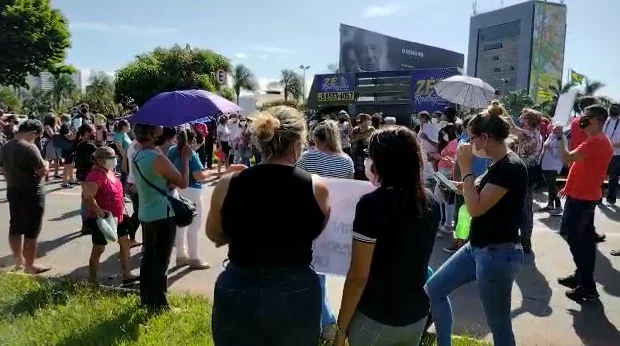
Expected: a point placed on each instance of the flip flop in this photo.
(38, 270)
(130, 281)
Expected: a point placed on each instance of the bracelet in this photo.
(467, 176)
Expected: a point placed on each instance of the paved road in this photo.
(542, 315)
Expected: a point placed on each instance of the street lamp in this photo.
(304, 68)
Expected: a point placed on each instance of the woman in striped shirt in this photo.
(327, 160)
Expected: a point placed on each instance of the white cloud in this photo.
(264, 56)
(271, 49)
(141, 30)
(241, 55)
(380, 11)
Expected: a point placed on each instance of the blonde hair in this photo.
(327, 133)
(103, 153)
(276, 129)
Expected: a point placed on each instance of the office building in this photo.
(45, 80)
(520, 47)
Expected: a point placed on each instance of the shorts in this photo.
(26, 208)
(97, 236)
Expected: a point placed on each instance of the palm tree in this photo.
(515, 101)
(592, 87)
(292, 83)
(36, 100)
(62, 90)
(101, 84)
(243, 79)
(559, 88)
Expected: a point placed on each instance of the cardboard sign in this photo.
(332, 249)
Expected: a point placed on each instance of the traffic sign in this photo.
(220, 76)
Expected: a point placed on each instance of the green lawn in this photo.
(36, 311)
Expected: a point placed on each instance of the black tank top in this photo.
(271, 217)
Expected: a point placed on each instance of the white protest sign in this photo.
(332, 249)
(564, 108)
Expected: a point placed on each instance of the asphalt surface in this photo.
(542, 315)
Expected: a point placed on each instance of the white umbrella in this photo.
(466, 91)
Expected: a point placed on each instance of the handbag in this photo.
(184, 209)
(107, 225)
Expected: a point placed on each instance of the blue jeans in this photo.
(327, 314)
(494, 269)
(527, 215)
(578, 225)
(266, 306)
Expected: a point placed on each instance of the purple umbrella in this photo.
(174, 108)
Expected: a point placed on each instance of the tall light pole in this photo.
(304, 68)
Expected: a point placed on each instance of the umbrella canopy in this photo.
(174, 108)
(466, 91)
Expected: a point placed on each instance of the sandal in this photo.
(130, 280)
(37, 270)
(615, 252)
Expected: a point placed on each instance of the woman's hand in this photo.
(465, 156)
(459, 187)
(340, 339)
(236, 167)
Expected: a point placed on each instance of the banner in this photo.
(336, 87)
(332, 249)
(367, 51)
(423, 96)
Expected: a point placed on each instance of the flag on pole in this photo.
(576, 78)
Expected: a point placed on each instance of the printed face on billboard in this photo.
(362, 50)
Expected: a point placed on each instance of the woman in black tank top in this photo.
(269, 215)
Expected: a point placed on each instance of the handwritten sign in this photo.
(332, 249)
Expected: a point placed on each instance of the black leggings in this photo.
(552, 190)
(157, 242)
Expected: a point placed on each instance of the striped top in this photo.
(336, 165)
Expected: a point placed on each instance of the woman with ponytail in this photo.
(494, 255)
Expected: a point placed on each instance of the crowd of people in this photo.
(470, 176)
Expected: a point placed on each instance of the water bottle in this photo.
(462, 224)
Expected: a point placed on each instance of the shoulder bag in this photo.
(184, 209)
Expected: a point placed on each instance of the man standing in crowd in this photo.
(578, 136)
(590, 161)
(24, 169)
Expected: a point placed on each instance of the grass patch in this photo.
(65, 312)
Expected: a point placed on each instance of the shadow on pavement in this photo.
(535, 290)
(606, 275)
(48, 246)
(67, 215)
(593, 327)
(611, 212)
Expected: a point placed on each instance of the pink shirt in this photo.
(109, 193)
(448, 151)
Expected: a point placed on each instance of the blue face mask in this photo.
(464, 137)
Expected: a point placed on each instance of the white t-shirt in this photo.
(131, 152)
(612, 131)
(223, 133)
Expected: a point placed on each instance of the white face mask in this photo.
(434, 120)
(110, 164)
(15, 128)
(372, 177)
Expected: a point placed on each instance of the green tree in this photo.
(243, 79)
(36, 100)
(515, 101)
(228, 93)
(333, 68)
(10, 100)
(275, 103)
(63, 91)
(591, 87)
(99, 94)
(33, 38)
(292, 83)
(168, 69)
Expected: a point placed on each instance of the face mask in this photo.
(481, 153)
(110, 164)
(445, 137)
(67, 123)
(242, 122)
(583, 123)
(434, 120)
(15, 128)
(372, 177)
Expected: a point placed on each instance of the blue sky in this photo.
(270, 35)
